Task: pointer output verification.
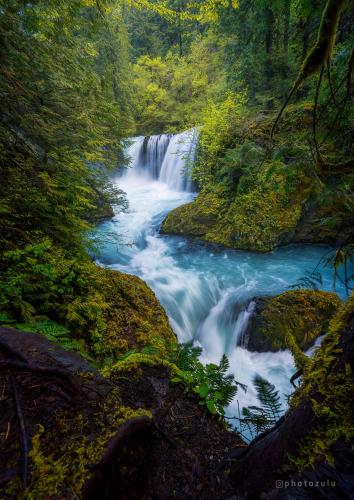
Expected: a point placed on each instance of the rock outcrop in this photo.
(302, 314)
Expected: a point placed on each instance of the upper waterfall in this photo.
(164, 157)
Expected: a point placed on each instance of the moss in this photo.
(199, 217)
(61, 472)
(298, 316)
(328, 382)
(133, 362)
(134, 317)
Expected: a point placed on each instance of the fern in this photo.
(257, 419)
(254, 419)
(215, 387)
(56, 333)
(184, 356)
(5, 319)
(269, 398)
(312, 280)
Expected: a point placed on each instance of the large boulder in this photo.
(303, 314)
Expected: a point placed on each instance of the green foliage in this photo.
(66, 107)
(55, 332)
(176, 90)
(212, 383)
(257, 419)
(219, 122)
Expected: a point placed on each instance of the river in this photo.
(204, 289)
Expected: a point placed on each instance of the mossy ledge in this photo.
(257, 194)
(298, 316)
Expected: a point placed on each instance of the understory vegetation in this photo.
(268, 87)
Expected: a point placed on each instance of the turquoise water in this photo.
(204, 289)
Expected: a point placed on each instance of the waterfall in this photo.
(206, 291)
(239, 334)
(165, 158)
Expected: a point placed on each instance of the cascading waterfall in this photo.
(165, 158)
(204, 290)
(240, 337)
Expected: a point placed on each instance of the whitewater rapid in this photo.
(205, 290)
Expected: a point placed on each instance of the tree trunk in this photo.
(269, 21)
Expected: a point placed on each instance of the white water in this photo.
(206, 291)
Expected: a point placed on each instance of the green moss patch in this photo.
(301, 314)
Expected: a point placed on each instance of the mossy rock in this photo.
(260, 216)
(134, 317)
(302, 314)
(198, 217)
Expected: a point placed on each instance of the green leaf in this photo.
(211, 407)
(203, 390)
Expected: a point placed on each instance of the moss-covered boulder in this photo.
(301, 315)
(262, 214)
(197, 218)
(133, 316)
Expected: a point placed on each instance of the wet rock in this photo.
(303, 314)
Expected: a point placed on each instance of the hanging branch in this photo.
(318, 154)
(330, 84)
(321, 53)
